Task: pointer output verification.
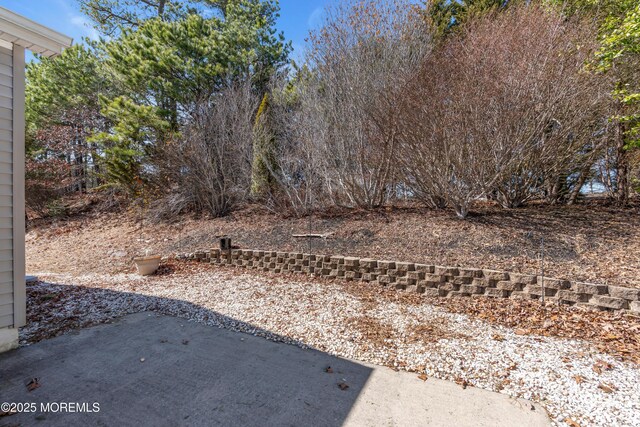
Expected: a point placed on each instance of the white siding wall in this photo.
(18, 215)
(6, 189)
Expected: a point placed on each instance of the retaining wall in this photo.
(431, 280)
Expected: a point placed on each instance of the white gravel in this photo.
(558, 373)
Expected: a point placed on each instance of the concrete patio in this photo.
(146, 369)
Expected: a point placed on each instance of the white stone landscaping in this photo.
(570, 378)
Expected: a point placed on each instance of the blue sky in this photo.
(297, 17)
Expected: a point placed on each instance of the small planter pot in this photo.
(147, 265)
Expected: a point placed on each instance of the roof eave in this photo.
(24, 32)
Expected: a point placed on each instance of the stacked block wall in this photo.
(431, 280)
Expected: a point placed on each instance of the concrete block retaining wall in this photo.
(431, 280)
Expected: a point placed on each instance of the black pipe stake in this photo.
(542, 271)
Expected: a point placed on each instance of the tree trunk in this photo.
(622, 173)
(96, 165)
(161, 5)
(575, 192)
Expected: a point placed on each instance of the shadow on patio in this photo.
(151, 369)
(148, 368)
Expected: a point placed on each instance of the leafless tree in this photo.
(504, 110)
(208, 168)
(363, 54)
(299, 165)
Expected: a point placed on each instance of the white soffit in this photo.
(21, 31)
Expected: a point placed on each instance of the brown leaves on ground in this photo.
(343, 385)
(615, 333)
(376, 334)
(372, 331)
(172, 266)
(590, 241)
(431, 332)
(41, 306)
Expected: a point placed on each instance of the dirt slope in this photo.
(591, 242)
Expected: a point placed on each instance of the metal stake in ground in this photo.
(309, 233)
(225, 246)
(542, 269)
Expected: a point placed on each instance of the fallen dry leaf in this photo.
(329, 370)
(462, 382)
(343, 385)
(601, 366)
(497, 337)
(7, 413)
(571, 422)
(33, 384)
(579, 379)
(607, 388)
(423, 377)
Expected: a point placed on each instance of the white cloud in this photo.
(316, 18)
(83, 23)
(80, 22)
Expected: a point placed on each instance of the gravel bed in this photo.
(570, 378)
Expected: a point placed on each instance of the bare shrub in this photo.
(364, 52)
(503, 110)
(208, 168)
(298, 160)
(45, 182)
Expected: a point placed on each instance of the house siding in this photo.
(7, 309)
(16, 34)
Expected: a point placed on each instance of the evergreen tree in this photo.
(445, 15)
(110, 17)
(264, 165)
(176, 65)
(129, 141)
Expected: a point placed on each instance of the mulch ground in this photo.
(593, 242)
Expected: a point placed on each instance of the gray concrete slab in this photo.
(201, 376)
(9, 339)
